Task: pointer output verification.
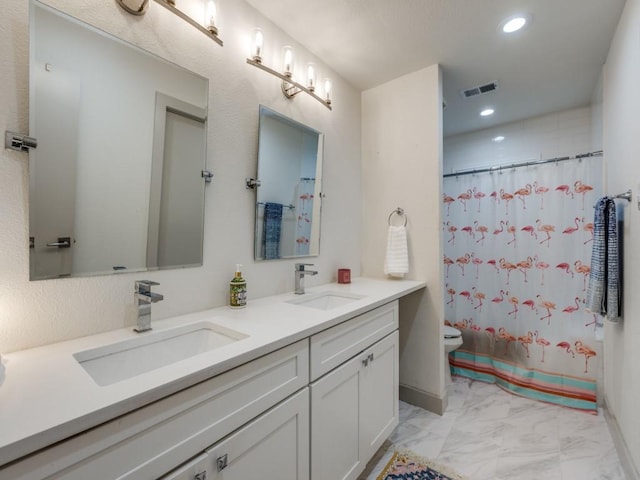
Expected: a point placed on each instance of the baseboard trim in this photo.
(624, 455)
(423, 399)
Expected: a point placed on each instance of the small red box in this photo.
(344, 275)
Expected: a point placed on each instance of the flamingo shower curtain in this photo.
(517, 248)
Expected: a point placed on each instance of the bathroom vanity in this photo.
(307, 387)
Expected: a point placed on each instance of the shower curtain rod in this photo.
(499, 168)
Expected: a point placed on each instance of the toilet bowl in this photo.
(452, 341)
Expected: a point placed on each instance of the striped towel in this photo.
(605, 290)
(396, 261)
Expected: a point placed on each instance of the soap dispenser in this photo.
(238, 290)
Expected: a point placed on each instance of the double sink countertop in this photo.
(47, 396)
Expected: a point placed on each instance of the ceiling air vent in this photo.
(479, 90)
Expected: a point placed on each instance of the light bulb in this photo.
(256, 51)
(311, 77)
(210, 16)
(288, 61)
(327, 90)
(487, 112)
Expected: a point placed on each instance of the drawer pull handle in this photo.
(201, 476)
(222, 462)
(371, 357)
(365, 362)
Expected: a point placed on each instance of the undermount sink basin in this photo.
(128, 358)
(325, 300)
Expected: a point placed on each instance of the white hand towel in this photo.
(396, 261)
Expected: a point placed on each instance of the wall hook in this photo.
(16, 141)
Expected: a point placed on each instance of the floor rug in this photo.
(406, 465)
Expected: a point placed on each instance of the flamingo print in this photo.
(451, 292)
(507, 197)
(566, 189)
(463, 197)
(525, 341)
(512, 230)
(452, 230)
(572, 229)
(498, 231)
(462, 325)
(525, 265)
(507, 337)
(588, 227)
(482, 230)
(462, 261)
(543, 342)
(477, 262)
(478, 196)
(546, 229)
(585, 350)
(508, 267)
(567, 346)
(540, 190)
(564, 266)
(531, 304)
(548, 306)
(475, 328)
(542, 266)
(594, 322)
(572, 308)
(466, 294)
(583, 189)
(585, 270)
(447, 200)
(494, 196)
(522, 193)
(491, 333)
(492, 262)
(448, 262)
(499, 299)
(480, 297)
(514, 301)
(468, 229)
(530, 229)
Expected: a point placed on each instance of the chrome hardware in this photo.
(200, 476)
(16, 141)
(144, 297)
(207, 175)
(63, 242)
(222, 462)
(300, 273)
(371, 357)
(365, 362)
(251, 183)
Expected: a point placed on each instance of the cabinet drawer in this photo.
(338, 344)
(154, 439)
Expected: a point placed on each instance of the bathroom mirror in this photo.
(288, 199)
(116, 182)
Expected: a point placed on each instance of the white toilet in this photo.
(452, 341)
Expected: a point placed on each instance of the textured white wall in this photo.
(559, 134)
(402, 167)
(36, 313)
(622, 148)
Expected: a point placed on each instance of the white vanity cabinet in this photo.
(149, 442)
(354, 398)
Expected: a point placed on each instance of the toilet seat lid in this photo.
(450, 332)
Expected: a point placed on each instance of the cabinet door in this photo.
(335, 450)
(195, 469)
(273, 446)
(378, 395)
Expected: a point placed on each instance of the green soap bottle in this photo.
(238, 290)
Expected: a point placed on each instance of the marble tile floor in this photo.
(489, 434)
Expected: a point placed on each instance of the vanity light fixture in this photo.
(210, 29)
(290, 87)
(514, 23)
(487, 112)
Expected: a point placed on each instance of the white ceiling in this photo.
(551, 65)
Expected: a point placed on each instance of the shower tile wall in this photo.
(548, 136)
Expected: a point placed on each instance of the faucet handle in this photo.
(300, 266)
(144, 286)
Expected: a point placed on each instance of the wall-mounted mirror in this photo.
(288, 200)
(116, 182)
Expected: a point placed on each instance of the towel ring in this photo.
(400, 212)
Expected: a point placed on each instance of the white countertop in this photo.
(46, 396)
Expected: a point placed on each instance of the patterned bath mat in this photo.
(406, 465)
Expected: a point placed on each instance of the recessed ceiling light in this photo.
(513, 24)
(498, 139)
(486, 112)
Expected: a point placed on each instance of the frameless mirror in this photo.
(288, 199)
(116, 183)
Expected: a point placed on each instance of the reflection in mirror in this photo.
(288, 199)
(116, 181)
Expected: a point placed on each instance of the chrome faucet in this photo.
(300, 273)
(144, 297)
